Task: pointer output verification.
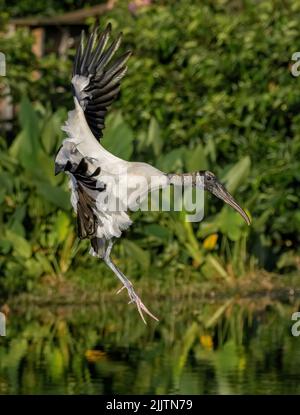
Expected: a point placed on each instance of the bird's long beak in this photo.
(58, 168)
(219, 190)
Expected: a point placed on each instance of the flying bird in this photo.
(100, 196)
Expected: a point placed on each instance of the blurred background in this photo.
(209, 86)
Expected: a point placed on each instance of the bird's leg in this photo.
(134, 298)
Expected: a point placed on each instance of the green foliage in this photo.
(36, 236)
(40, 7)
(118, 137)
(43, 80)
(208, 87)
(216, 78)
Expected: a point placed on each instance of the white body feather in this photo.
(126, 182)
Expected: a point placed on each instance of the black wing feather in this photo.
(92, 60)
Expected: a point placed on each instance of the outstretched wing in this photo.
(96, 78)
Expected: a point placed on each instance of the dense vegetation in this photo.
(40, 7)
(208, 86)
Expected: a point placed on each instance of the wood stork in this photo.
(94, 173)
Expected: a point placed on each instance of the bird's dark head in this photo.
(210, 180)
(212, 184)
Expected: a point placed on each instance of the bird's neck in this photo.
(188, 179)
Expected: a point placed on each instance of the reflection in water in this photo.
(232, 346)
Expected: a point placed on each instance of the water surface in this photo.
(231, 346)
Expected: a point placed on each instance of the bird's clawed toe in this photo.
(134, 298)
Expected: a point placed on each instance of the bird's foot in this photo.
(134, 298)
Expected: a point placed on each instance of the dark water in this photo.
(230, 346)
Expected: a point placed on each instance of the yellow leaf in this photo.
(94, 355)
(210, 242)
(207, 342)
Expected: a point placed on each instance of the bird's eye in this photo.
(208, 178)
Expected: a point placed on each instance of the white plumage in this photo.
(81, 143)
(103, 186)
(111, 224)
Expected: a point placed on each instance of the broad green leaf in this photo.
(237, 174)
(44, 262)
(231, 223)
(26, 146)
(154, 137)
(61, 226)
(195, 159)
(56, 195)
(118, 137)
(51, 132)
(173, 161)
(5, 246)
(210, 149)
(6, 182)
(20, 245)
(157, 231)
